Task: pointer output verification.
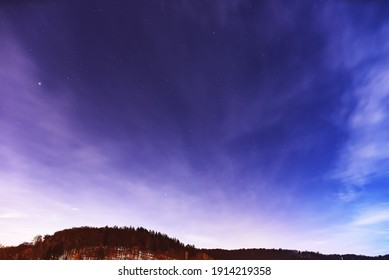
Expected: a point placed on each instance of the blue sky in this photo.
(231, 125)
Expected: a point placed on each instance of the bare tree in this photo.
(37, 239)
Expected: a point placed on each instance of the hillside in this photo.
(128, 243)
(102, 243)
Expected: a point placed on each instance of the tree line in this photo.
(98, 241)
(140, 243)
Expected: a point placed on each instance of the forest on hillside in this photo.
(130, 243)
(101, 243)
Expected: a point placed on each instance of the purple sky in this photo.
(221, 123)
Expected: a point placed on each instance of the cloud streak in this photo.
(364, 157)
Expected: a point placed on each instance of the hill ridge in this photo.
(139, 243)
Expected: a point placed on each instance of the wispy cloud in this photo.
(376, 215)
(365, 155)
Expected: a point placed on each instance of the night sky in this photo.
(233, 124)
